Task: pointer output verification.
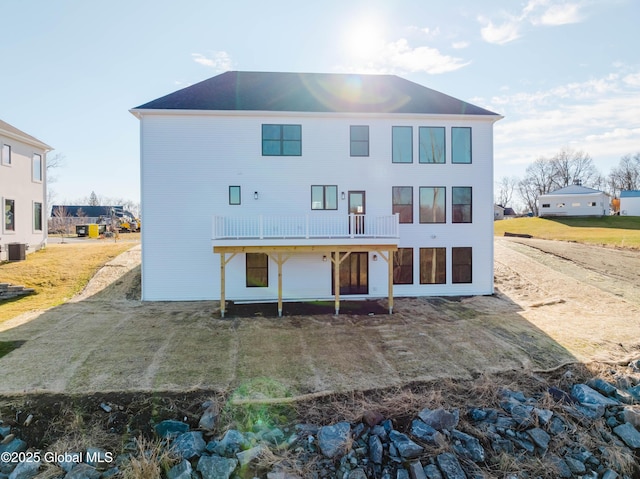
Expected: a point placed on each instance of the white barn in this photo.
(23, 187)
(574, 200)
(630, 203)
(256, 186)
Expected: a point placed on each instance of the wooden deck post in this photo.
(337, 261)
(222, 281)
(279, 260)
(389, 259)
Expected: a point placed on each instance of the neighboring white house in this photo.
(630, 203)
(22, 192)
(574, 200)
(498, 212)
(254, 185)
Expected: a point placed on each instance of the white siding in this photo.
(17, 184)
(189, 161)
(630, 206)
(573, 205)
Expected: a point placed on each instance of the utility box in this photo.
(82, 230)
(94, 231)
(17, 252)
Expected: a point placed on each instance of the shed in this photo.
(630, 203)
(574, 200)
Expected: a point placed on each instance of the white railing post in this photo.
(261, 227)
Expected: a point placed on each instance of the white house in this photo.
(630, 203)
(255, 185)
(22, 192)
(574, 200)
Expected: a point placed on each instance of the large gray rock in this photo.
(334, 440)
(416, 471)
(628, 434)
(250, 455)
(405, 446)
(182, 470)
(209, 418)
(432, 472)
(171, 428)
(25, 470)
(231, 443)
(576, 466)
(375, 449)
(357, 474)
(560, 466)
(215, 467)
(426, 433)
(589, 396)
(189, 445)
(14, 445)
(83, 471)
(440, 419)
(539, 437)
(468, 446)
(450, 467)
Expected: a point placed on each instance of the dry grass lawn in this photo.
(57, 273)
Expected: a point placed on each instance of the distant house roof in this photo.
(574, 190)
(510, 212)
(13, 132)
(630, 194)
(313, 92)
(92, 211)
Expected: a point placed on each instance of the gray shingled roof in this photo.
(313, 92)
(574, 190)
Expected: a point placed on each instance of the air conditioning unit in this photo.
(623, 213)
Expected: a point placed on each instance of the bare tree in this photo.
(61, 221)
(625, 176)
(505, 189)
(93, 199)
(538, 180)
(571, 167)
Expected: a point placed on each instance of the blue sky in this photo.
(563, 73)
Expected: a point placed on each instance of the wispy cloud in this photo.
(399, 57)
(460, 45)
(510, 26)
(220, 61)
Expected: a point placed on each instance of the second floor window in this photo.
(432, 146)
(6, 154)
(460, 145)
(461, 204)
(432, 204)
(359, 139)
(234, 195)
(324, 197)
(402, 144)
(281, 140)
(402, 203)
(37, 167)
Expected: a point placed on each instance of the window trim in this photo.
(35, 228)
(5, 148)
(324, 197)
(444, 202)
(393, 148)
(441, 275)
(403, 268)
(281, 139)
(231, 203)
(453, 205)
(394, 204)
(444, 145)
(453, 149)
(358, 142)
(454, 264)
(265, 267)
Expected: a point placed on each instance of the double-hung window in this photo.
(359, 140)
(432, 144)
(460, 145)
(461, 204)
(461, 259)
(281, 140)
(324, 197)
(402, 203)
(402, 144)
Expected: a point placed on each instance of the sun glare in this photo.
(365, 39)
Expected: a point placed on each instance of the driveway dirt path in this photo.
(555, 303)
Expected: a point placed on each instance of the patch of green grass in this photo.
(7, 346)
(618, 231)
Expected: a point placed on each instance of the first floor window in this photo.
(461, 204)
(403, 266)
(359, 138)
(402, 203)
(461, 264)
(402, 144)
(432, 204)
(432, 146)
(234, 195)
(546, 205)
(37, 216)
(257, 270)
(9, 215)
(460, 145)
(433, 265)
(37, 167)
(281, 140)
(6, 154)
(324, 197)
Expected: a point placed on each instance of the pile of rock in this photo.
(589, 431)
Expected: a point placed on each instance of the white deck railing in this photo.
(321, 226)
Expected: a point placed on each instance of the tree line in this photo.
(567, 167)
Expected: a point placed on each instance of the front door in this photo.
(354, 274)
(357, 206)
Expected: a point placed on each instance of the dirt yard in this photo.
(555, 303)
